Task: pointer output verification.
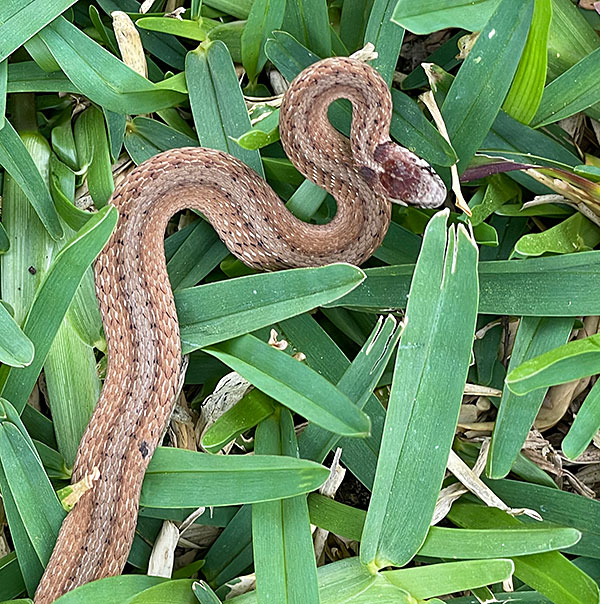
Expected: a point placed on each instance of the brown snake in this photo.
(136, 301)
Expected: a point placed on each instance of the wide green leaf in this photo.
(100, 75)
(284, 558)
(517, 413)
(525, 94)
(428, 16)
(16, 160)
(16, 349)
(573, 91)
(479, 89)
(507, 287)
(218, 311)
(179, 478)
(585, 425)
(293, 384)
(218, 106)
(385, 36)
(52, 300)
(550, 573)
(20, 20)
(111, 589)
(264, 17)
(568, 362)
(32, 508)
(433, 356)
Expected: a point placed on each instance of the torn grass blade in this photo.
(429, 378)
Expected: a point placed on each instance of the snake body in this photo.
(364, 174)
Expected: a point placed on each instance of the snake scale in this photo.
(364, 174)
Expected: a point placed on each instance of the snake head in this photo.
(405, 178)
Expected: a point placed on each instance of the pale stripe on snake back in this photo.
(136, 302)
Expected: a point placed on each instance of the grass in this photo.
(417, 378)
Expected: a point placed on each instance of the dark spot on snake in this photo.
(32, 270)
(368, 174)
(144, 449)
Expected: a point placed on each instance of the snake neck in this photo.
(334, 162)
(304, 118)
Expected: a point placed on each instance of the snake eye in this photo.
(408, 179)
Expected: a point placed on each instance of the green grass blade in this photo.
(71, 375)
(179, 478)
(111, 589)
(231, 554)
(357, 382)
(16, 160)
(23, 20)
(428, 16)
(308, 22)
(550, 573)
(100, 75)
(525, 94)
(178, 591)
(253, 408)
(235, 8)
(32, 245)
(53, 298)
(16, 349)
(585, 425)
(264, 17)
(563, 364)
(433, 357)
(192, 253)
(559, 507)
(284, 558)
(517, 413)
(480, 543)
(442, 579)
(479, 89)
(386, 36)
(507, 287)
(204, 593)
(573, 91)
(218, 106)
(574, 234)
(293, 384)
(29, 77)
(324, 355)
(94, 154)
(11, 577)
(32, 508)
(218, 311)
(145, 138)
(3, 90)
(186, 28)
